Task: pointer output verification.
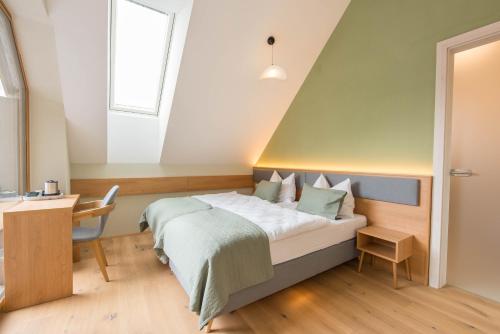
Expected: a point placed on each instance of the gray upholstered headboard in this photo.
(393, 189)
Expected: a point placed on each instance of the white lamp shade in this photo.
(274, 72)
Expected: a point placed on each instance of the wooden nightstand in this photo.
(390, 245)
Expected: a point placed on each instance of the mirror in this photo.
(14, 114)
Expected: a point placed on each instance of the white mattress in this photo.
(291, 233)
(308, 242)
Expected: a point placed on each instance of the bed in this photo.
(298, 258)
(308, 246)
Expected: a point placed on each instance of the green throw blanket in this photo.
(162, 211)
(215, 251)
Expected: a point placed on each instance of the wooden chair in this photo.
(91, 235)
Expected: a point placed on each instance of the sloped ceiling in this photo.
(35, 10)
(35, 37)
(80, 29)
(222, 113)
(36, 41)
(65, 55)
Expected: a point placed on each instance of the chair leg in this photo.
(99, 258)
(76, 253)
(102, 252)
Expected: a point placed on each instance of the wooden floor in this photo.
(144, 297)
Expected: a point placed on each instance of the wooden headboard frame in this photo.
(412, 219)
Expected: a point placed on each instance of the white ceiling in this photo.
(35, 10)
(35, 39)
(80, 30)
(64, 48)
(221, 113)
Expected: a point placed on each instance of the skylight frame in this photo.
(3, 94)
(112, 106)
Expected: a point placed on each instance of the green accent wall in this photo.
(368, 102)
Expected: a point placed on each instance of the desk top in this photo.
(69, 201)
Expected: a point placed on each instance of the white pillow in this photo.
(321, 182)
(347, 209)
(288, 190)
(275, 177)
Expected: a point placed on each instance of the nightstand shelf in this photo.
(390, 245)
(380, 250)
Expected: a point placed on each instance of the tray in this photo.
(42, 197)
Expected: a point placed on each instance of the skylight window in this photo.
(140, 37)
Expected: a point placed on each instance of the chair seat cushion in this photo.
(85, 233)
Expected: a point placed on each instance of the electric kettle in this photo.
(51, 188)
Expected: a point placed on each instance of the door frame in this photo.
(442, 136)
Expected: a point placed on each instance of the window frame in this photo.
(112, 106)
(3, 93)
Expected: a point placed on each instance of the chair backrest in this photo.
(108, 199)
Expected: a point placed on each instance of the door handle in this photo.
(460, 172)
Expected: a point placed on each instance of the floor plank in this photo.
(144, 297)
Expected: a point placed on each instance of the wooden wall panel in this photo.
(410, 219)
(159, 185)
(219, 182)
(414, 220)
(405, 218)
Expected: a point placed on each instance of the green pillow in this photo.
(321, 202)
(268, 190)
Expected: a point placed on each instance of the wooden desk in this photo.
(390, 245)
(38, 251)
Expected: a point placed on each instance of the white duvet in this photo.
(278, 222)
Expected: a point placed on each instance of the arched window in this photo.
(14, 153)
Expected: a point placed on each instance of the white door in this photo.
(474, 225)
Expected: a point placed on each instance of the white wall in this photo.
(177, 42)
(96, 136)
(80, 30)
(222, 113)
(129, 208)
(124, 219)
(135, 138)
(49, 150)
(132, 138)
